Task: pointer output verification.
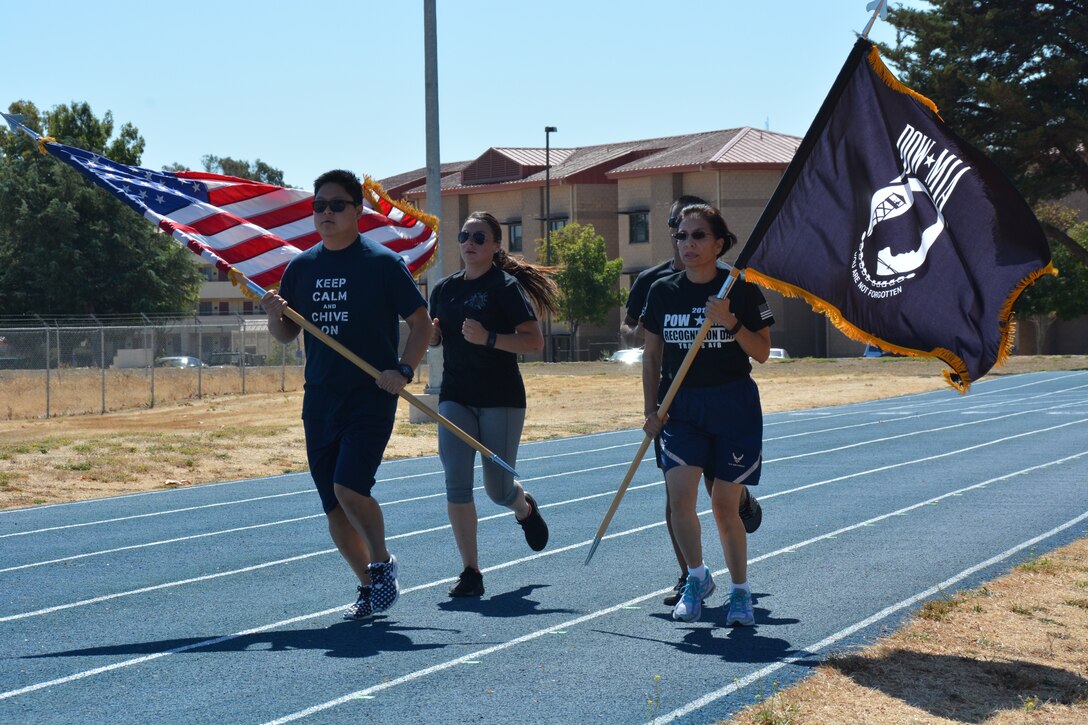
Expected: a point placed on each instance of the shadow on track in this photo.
(339, 640)
(507, 604)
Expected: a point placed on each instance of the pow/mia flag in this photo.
(896, 229)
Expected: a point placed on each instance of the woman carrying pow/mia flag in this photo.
(715, 422)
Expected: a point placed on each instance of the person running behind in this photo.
(355, 290)
(483, 319)
(715, 421)
(631, 330)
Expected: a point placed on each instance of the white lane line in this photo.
(417, 674)
(559, 475)
(924, 459)
(798, 416)
(309, 489)
(156, 513)
(277, 562)
(924, 431)
(238, 529)
(864, 623)
(506, 645)
(906, 416)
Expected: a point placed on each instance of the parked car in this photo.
(778, 353)
(874, 351)
(220, 359)
(183, 361)
(629, 356)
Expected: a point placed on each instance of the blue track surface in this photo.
(222, 603)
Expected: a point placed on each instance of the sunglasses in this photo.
(674, 222)
(698, 235)
(337, 205)
(478, 237)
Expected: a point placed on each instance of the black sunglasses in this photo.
(698, 235)
(337, 205)
(478, 237)
(674, 222)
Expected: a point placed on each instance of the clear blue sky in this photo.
(310, 86)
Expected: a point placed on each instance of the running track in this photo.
(221, 603)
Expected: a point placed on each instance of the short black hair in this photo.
(346, 180)
(690, 200)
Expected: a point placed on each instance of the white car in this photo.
(629, 356)
(778, 353)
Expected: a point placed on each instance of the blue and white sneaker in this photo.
(740, 609)
(362, 608)
(383, 584)
(690, 606)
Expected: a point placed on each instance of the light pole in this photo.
(548, 130)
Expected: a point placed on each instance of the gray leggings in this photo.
(497, 428)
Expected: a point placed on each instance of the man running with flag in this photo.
(356, 291)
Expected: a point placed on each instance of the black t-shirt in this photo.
(676, 309)
(355, 295)
(636, 299)
(475, 374)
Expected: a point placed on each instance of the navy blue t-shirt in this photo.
(676, 309)
(475, 374)
(356, 296)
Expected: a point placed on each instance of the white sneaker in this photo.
(690, 606)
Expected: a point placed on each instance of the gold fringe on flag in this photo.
(374, 191)
(957, 377)
(892, 82)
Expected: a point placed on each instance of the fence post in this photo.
(151, 357)
(102, 359)
(283, 367)
(200, 356)
(47, 380)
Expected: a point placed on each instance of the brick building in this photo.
(624, 190)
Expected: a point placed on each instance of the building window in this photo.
(558, 224)
(514, 235)
(209, 273)
(224, 307)
(222, 275)
(640, 228)
(205, 308)
(247, 307)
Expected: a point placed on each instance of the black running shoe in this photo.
(536, 531)
(362, 609)
(751, 513)
(672, 599)
(469, 584)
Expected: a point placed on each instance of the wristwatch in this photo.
(406, 371)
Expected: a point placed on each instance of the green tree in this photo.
(69, 247)
(254, 171)
(588, 281)
(1064, 297)
(1010, 77)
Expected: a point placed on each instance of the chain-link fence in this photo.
(73, 367)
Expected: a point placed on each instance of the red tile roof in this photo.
(730, 148)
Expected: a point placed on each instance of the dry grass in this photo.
(1012, 651)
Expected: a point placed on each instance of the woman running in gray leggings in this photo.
(483, 318)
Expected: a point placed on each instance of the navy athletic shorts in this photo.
(718, 429)
(345, 451)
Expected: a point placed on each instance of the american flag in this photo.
(254, 227)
